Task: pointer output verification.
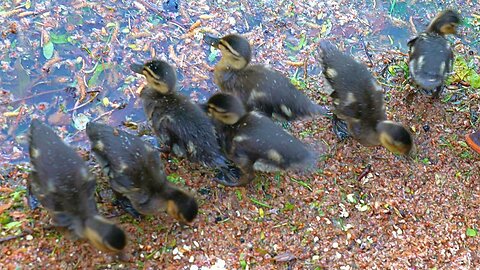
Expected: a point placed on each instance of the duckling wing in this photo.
(263, 141)
(271, 92)
(431, 58)
(192, 131)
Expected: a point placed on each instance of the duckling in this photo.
(257, 86)
(136, 172)
(181, 126)
(430, 54)
(62, 183)
(255, 142)
(358, 100)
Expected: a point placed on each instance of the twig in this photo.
(12, 237)
(365, 48)
(365, 172)
(83, 104)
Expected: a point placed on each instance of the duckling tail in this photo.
(428, 81)
(328, 49)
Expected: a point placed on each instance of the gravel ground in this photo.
(364, 208)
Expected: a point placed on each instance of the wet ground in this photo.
(66, 62)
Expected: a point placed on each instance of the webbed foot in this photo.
(340, 128)
(126, 205)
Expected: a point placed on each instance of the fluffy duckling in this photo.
(136, 172)
(358, 100)
(257, 86)
(430, 55)
(254, 142)
(62, 183)
(180, 125)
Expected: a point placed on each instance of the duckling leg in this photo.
(248, 174)
(228, 176)
(340, 128)
(32, 200)
(126, 205)
(437, 92)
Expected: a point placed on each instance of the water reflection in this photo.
(68, 63)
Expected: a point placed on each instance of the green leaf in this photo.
(59, 39)
(48, 50)
(301, 43)
(12, 225)
(260, 203)
(471, 232)
(176, 179)
(96, 74)
(213, 54)
(23, 79)
(288, 206)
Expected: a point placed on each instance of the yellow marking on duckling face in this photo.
(331, 73)
(99, 146)
(231, 59)
(93, 232)
(286, 110)
(449, 28)
(34, 152)
(240, 138)
(172, 210)
(274, 155)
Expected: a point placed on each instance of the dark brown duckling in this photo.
(358, 100)
(181, 126)
(430, 54)
(136, 172)
(254, 142)
(258, 87)
(63, 185)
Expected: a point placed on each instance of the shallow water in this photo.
(51, 50)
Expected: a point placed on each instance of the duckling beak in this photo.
(137, 68)
(211, 40)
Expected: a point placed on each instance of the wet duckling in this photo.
(430, 54)
(181, 126)
(63, 185)
(358, 100)
(258, 87)
(255, 142)
(136, 172)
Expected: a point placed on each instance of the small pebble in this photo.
(29, 237)
(193, 267)
(426, 128)
(335, 245)
(191, 259)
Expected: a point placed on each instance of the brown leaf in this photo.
(4, 207)
(284, 257)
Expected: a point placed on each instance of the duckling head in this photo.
(445, 23)
(182, 206)
(236, 51)
(160, 75)
(104, 234)
(225, 108)
(395, 137)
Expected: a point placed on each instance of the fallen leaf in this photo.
(284, 257)
(4, 207)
